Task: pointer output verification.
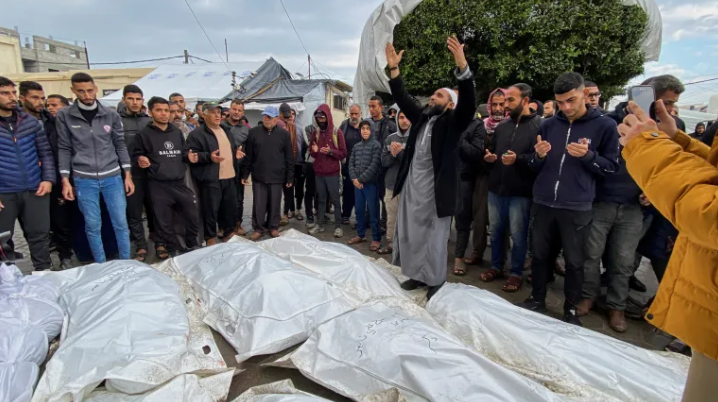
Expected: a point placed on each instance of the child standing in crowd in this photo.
(364, 166)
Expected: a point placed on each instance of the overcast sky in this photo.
(331, 29)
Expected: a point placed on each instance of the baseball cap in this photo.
(271, 111)
(285, 110)
(207, 106)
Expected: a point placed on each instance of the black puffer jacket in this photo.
(365, 161)
(515, 180)
(131, 125)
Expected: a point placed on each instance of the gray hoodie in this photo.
(91, 150)
(389, 162)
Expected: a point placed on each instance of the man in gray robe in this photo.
(428, 181)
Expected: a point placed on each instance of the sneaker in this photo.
(533, 305)
(571, 317)
(338, 232)
(412, 284)
(65, 264)
(284, 221)
(316, 229)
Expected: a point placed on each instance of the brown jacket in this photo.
(680, 177)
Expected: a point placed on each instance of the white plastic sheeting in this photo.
(16, 381)
(280, 391)
(21, 342)
(41, 313)
(126, 325)
(381, 346)
(186, 387)
(579, 363)
(337, 263)
(379, 30)
(258, 302)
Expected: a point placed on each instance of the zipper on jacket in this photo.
(560, 166)
(21, 159)
(94, 145)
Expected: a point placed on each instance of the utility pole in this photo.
(226, 51)
(186, 57)
(87, 57)
(309, 63)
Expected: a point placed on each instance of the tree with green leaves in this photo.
(530, 41)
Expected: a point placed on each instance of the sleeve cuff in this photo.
(682, 139)
(463, 74)
(126, 166)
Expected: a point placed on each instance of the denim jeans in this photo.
(615, 233)
(367, 197)
(516, 211)
(88, 199)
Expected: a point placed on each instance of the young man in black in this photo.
(160, 149)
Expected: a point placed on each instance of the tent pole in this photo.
(309, 63)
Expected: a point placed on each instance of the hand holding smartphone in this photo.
(644, 96)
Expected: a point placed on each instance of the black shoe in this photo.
(571, 317)
(310, 220)
(636, 285)
(533, 305)
(65, 264)
(327, 220)
(345, 221)
(433, 290)
(412, 284)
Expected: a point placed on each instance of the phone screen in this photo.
(643, 95)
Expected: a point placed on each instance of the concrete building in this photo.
(39, 55)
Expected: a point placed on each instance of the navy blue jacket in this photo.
(619, 187)
(567, 182)
(25, 155)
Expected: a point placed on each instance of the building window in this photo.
(52, 70)
(339, 102)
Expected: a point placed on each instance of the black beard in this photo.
(515, 114)
(323, 126)
(436, 110)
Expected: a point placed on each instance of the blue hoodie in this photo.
(568, 182)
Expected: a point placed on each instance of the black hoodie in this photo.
(515, 180)
(165, 149)
(567, 182)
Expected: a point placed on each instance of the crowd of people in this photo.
(541, 179)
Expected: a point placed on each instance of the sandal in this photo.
(290, 215)
(299, 216)
(386, 250)
(141, 255)
(162, 252)
(513, 284)
(473, 260)
(356, 240)
(375, 246)
(490, 275)
(459, 268)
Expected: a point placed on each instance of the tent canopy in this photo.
(195, 82)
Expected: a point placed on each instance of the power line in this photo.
(199, 58)
(295, 28)
(111, 62)
(698, 82)
(205, 34)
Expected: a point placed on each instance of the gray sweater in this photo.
(388, 161)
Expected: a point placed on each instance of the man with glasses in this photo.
(594, 95)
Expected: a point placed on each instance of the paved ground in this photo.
(639, 333)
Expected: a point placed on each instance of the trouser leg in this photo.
(381, 190)
(227, 215)
(392, 208)
(88, 200)
(288, 199)
(481, 214)
(163, 203)
(240, 201)
(12, 207)
(311, 190)
(622, 245)
(349, 195)
(574, 227)
(333, 192)
(702, 382)
(275, 205)
(464, 218)
(149, 212)
(260, 193)
(498, 220)
(544, 236)
(211, 196)
(360, 205)
(135, 205)
(371, 194)
(113, 192)
(604, 217)
(61, 212)
(323, 194)
(519, 209)
(186, 205)
(299, 185)
(35, 214)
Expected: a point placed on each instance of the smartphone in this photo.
(643, 95)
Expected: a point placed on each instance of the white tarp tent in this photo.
(195, 82)
(379, 30)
